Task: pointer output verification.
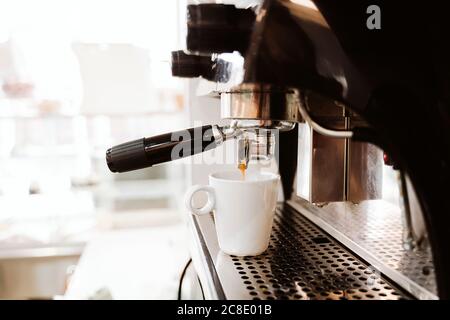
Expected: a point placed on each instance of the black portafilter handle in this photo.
(146, 152)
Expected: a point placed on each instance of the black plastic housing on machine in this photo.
(213, 28)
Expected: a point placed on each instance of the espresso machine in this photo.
(333, 102)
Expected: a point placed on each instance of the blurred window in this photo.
(77, 76)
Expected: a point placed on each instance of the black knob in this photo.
(190, 65)
(146, 152)
(206, 66)
(215, 28)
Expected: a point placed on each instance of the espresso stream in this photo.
(242, 167)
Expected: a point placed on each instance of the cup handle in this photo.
(209, 204)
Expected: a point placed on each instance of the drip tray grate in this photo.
(303, 262)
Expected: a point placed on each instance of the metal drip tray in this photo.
(302, 262)
(373, 229)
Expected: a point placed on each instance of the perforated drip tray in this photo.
(302, 262)
(373, 229)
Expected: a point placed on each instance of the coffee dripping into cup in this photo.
(257, 144)
(243, 202)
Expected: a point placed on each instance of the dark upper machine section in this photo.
(216, 28)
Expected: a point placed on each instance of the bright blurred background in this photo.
(77, 77)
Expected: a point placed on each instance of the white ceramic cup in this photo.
(243, 209)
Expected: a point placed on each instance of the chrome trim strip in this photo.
(203, 262)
